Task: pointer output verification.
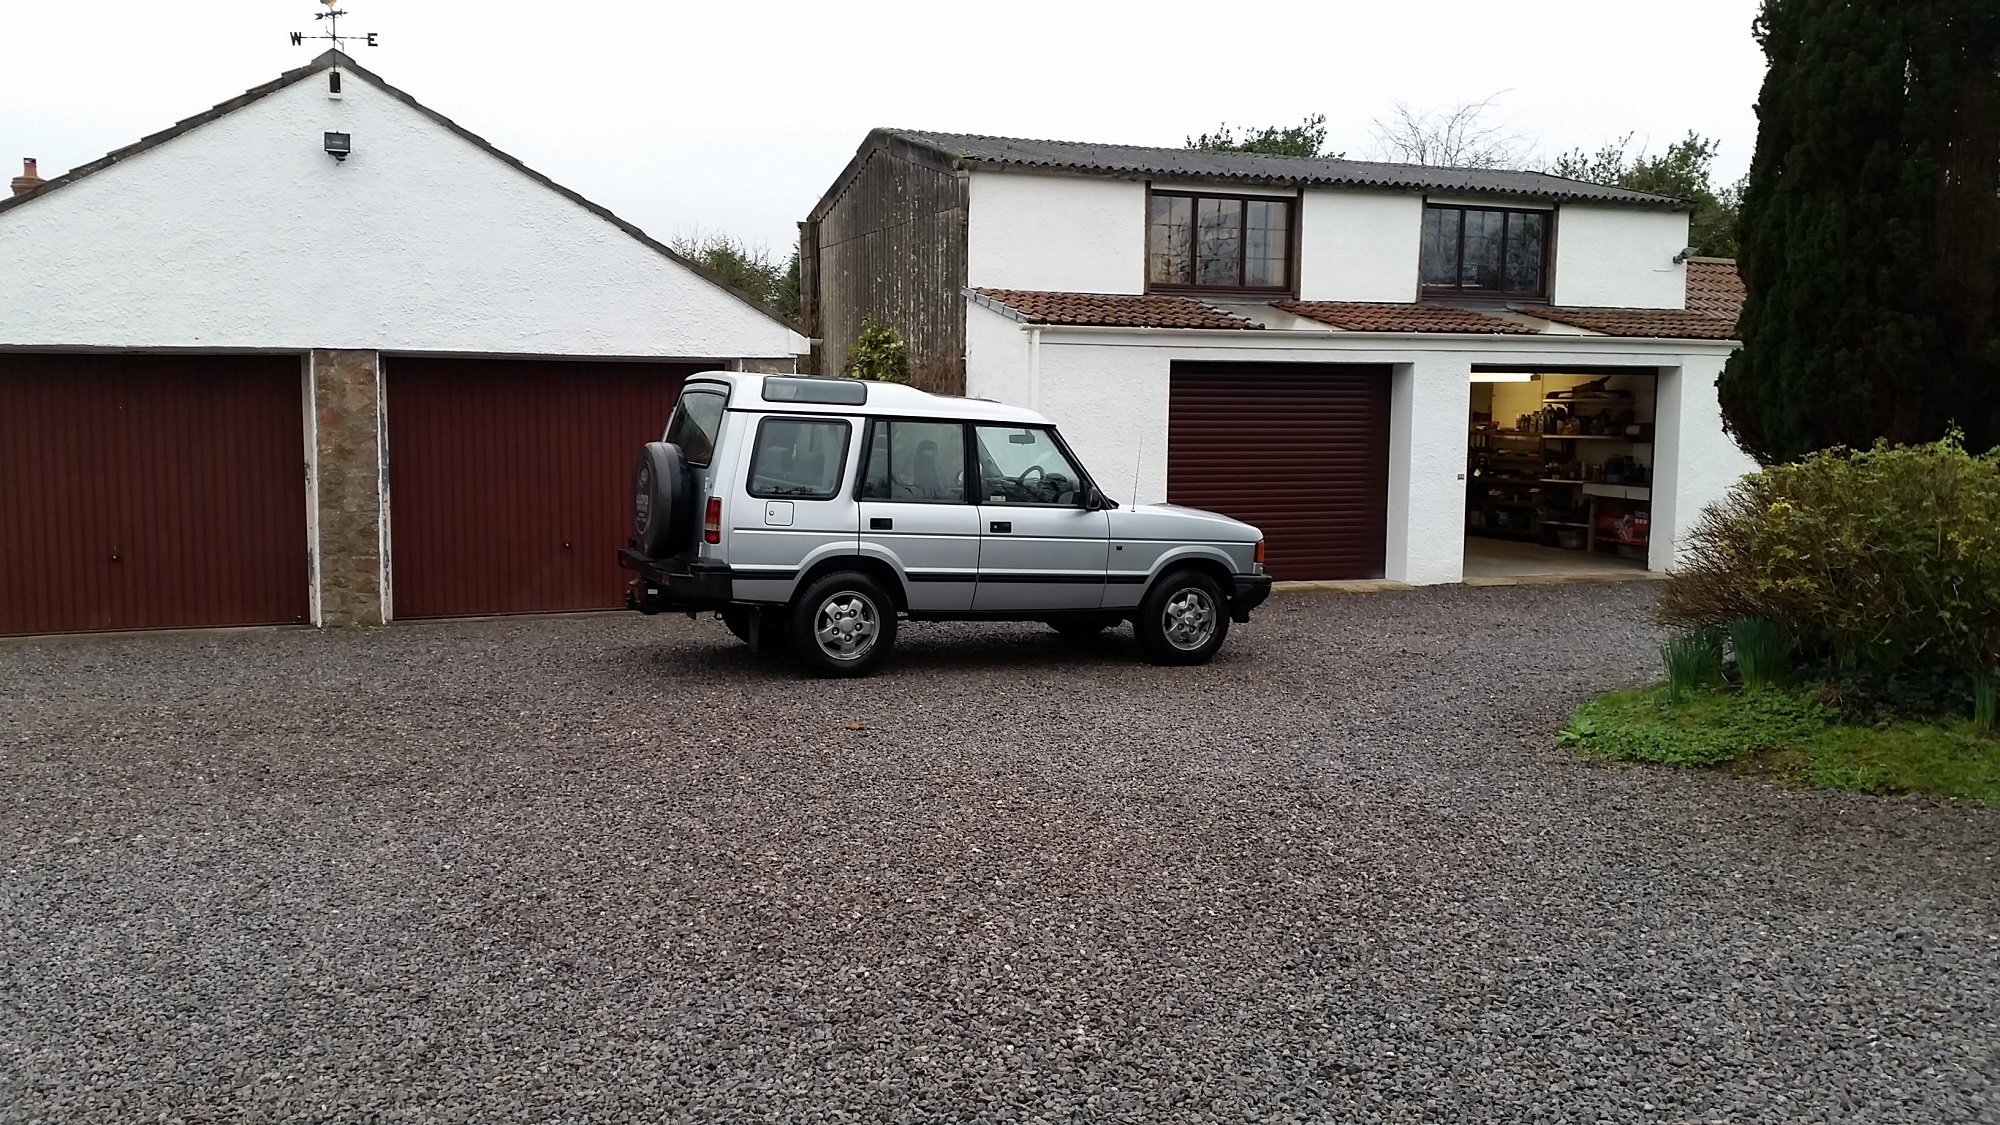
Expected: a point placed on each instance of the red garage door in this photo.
(1300, 450)
(150, 492)
(510, 480)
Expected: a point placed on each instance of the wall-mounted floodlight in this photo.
(338, 145)
(1686, 253)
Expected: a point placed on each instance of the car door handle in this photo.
(1000, 527)
(881, 523)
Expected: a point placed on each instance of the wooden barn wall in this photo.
(893, 246)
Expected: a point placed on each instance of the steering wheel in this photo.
(1022, 480)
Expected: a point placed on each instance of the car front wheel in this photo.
(843, 625)
(1183, 619)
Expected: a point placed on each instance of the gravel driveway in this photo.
(615, 869)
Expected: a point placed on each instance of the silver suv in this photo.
(815, 513)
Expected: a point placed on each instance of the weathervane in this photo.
(331, 34)
(332, 17)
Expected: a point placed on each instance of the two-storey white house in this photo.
(1396, 371)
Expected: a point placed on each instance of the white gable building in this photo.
(403, 381)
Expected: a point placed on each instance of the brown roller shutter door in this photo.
(510, 480)
(151, 492)
(1300, 450)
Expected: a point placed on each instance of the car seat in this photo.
(924, 471)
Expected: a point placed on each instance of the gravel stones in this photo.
(606, 868)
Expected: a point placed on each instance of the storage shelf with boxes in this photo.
(1563, 460)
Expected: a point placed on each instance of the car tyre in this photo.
(1183, 619)
(1083, 626)
(843, 625)
(662, 501)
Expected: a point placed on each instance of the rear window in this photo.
(696, 417)
(799, 458)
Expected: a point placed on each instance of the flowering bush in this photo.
(1887, 557)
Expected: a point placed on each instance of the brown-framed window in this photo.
(1485, 251)
(1196, 241)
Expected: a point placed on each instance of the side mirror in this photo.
(1093, 500)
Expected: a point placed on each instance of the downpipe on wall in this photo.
(1035, 369)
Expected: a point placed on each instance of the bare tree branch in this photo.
(1459, 137)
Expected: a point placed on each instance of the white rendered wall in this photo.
(1109, 392)
(243, 234)
(1429, 410)
(1359, 246)
(1112, 406)
(1076, 234)
(1620, 257)
(1695, 460)
(996, 357)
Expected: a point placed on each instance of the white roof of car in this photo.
(888, 399)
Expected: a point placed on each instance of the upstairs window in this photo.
(1219, 242)
(1468, 251)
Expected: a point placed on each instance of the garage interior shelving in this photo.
(1562, 460)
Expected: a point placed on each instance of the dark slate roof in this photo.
(1107, 310)
(1082, 158)
(336, 58)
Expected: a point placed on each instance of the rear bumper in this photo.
(666, 585)
(1251, 590)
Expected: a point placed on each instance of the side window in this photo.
(1024, 465)
(696, 418)
(920, 462)
(802, 458)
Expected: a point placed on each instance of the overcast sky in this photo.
(735, 117)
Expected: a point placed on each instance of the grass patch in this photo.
(1790, 734)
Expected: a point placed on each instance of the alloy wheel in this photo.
(1188, 619)
(846, 626)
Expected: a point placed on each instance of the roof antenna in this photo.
(332, 34)
(1138, 462)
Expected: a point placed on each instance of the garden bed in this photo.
(1798, 734)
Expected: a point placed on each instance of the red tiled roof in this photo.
(1671, 324)
(1714, 287)
(1357, 316)
(1714, 281)
(1113, 310)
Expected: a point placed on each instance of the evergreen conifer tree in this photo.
(1870, 228)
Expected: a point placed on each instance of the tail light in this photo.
(711, 524)
(1259, 556)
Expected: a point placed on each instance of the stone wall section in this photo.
(346, 412)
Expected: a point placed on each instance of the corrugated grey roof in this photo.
(1135, 160)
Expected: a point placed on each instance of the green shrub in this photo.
(1694, 661)
(1702, 728)
(1761, 649)
(878, 353)
(1789, 733)
(1886, 558)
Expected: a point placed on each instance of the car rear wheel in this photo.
(1183, 619)
(843, 625)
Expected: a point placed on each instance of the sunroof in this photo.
(829, 392)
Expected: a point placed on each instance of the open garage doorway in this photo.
(1559, 473)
